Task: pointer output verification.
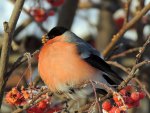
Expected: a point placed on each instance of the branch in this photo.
(22, 59)
(124, 53)
(23, 25)
(96, 99)
(126, 70)
(124, 29)
(132, 74)
(127, 9)
(9, 28)
(141, 51)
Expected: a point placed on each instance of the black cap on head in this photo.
(56, 31)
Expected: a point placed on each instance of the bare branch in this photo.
(22, 59)
(126, 70)
(96, 99)
(141, 51)
(124, 53)
(125, 28)
(132, 73)
(127, 9)
(9, 28)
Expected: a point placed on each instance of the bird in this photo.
(66, 62)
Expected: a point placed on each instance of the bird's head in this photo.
(56, 31)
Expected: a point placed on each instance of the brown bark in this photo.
(105, 27)
(67, 13)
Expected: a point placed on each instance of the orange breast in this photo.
(60, 66)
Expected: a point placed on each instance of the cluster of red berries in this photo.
(16, 97)
(41, 14)
(24, 96)
(43, 107)
(127, 98)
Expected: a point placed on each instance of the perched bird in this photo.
(66, 62)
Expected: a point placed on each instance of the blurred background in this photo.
(96, 21)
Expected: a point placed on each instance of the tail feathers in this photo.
(112, 79)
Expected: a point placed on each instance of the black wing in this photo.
(100, 64)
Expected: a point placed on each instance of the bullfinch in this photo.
(66, 62)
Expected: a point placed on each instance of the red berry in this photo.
(106, 105)
(119, 103)
(39, 14)
(51, 13)
(54, 109)
(128, 100)
(128, 88)
(115, 110)
(119, 22)
(135, 96)
(115, 98)
(142, 94)
(136, 104)
(56, 3)
(42, 105)
(123, 92)
(34, 110)
(130, 106)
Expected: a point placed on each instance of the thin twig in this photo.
(116, 64)
(132, 73)
(28, 55)
(124, 53)
(125, 28)
(127, 10)
(17, 63)
(94, 89)
(23, 25)
(141, 51)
